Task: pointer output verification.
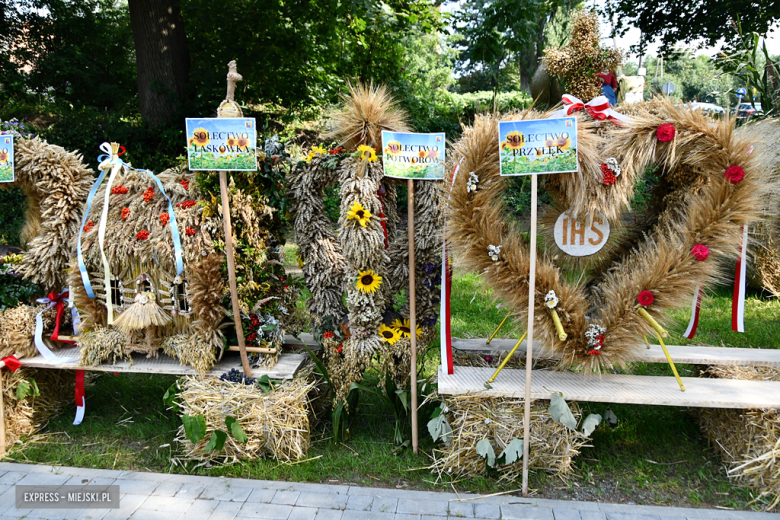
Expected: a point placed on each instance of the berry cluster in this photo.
(90, 225)
(608, 176)
(119, 190)
(189, 231)
(185, 183)
(142, 235)
(149, 194)
(125, 213)
(164, 219)
(235, 376)
(336, 151)
(187, 204)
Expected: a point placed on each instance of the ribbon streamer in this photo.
(446, 294)
(11, 363)
(690, 332)
(52, 300)
(738, 301)
(81, 400)
(598, 108)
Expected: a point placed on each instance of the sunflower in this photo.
(242, 142)
(405, 328)
(366, 153)
(504, 145)
(191, 142)
(549, 143)
(413, 160)
(422, 154)
(389, 334)
(433, 154)
(563, 143)
(231, 142)
(393, 148)
(539, 152)
(222, 149)
(515, 140)
(319, 150)
(359, 213)
(4, 156)
(201, 137)
(368, 281)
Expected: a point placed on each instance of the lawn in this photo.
(655, 455)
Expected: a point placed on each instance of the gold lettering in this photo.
(597, 231)
(580, 231)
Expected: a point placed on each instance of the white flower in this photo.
(493, 252)
(471, 185)
(613, 165)
(551, 300)
(593, 332)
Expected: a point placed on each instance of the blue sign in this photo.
(222, 144)
(6, 158)
(413, 156)
(741, 92)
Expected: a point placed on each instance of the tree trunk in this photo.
(162, 59)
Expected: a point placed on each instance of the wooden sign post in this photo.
(412, 314)
(530, 334)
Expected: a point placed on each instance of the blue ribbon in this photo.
(177, 252)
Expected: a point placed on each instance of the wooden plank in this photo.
(286, 367)
(615, 388)
(680, 354)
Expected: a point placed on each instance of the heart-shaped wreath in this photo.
(707, 190)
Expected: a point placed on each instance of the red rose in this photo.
(665, 132)
(700, 252)
(645, 298)
(734, 174)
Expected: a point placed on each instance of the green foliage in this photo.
(560, 412)
(14, 204)
(171, 396)
(513, 451)
(590, 423)
(194, 427)
(695, 78)
(439, 428)
(485, 449)
(13, 289)
(217, 441)
(235, 429)
(25, 389)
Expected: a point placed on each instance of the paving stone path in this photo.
(153, 496)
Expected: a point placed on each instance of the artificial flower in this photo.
(595, 336)
(359, 213)
(366, 153)
(389, 334)
(471, 184)
(700, 252)
(551, 300)
(665, 132)
(645, 298)
(613, 165)
(734, 174)
(406, 328)
(368, 281)
(493, 252)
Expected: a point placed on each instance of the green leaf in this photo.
(485, 449)
(22, 390)
(35, 391)
(403, 397)
(321, 368)
(194, 427)
(235, 429)
(170, 395)
(217, 441)
(559, 411)
(265, 384)
(590, 423)
(439, 428)
(513, 451)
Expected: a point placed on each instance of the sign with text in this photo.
(538, 146)
(6, 158)
(581, 237)
(222, 143)
(413, 156)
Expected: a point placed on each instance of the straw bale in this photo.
(748, 441)
(277, 423)
(473, 418)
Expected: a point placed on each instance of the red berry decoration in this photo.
(327, 335)
(665, 132)
(700, 252)
(185, 183)
(594, 352)
(339, 348)
(252, 337)
(90, 225)
(164, 219)
(189, 231)
(488, 358)
(734, 174)
(645, 298)
(608, 176)
(149, 194)
(119, 190)
(187, 204)
(142, 235)
(125, 213)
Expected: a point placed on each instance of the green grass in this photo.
(512, 164)
(233, 161)
(655, 455)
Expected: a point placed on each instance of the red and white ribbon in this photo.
(446, 294)
(52, 299)
(598, 108)
(690, 332)
(738, 301)
(81, 401)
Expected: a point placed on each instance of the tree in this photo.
(706, 21)
(162, 59)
